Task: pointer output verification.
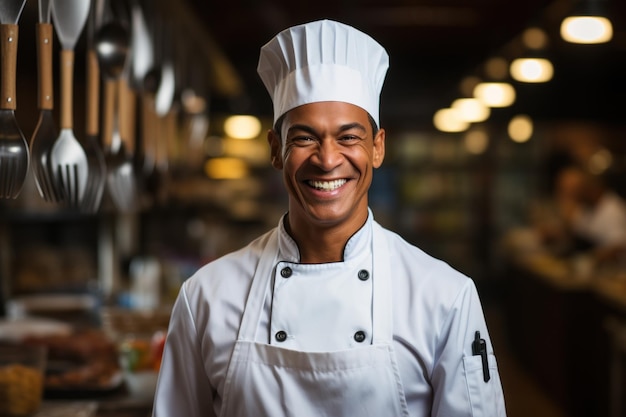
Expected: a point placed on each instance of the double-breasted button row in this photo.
(363, 274)
(281, 336)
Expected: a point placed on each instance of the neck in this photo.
(321, 244)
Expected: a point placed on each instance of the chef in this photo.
(328, 314)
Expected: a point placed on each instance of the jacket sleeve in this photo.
(183, 388)
(458, 379)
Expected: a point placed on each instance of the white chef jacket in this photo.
(436, 313)
(605, 223)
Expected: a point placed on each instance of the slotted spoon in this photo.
(45, 133)
(14, 152)
(68, 157)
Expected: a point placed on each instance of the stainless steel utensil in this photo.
(45, 133)
(112, 45)
(68, 156)
(14, 152)
(96, 181)
(121, 176)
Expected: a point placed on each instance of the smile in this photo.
(327, 185)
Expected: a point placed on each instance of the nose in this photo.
(328, 155)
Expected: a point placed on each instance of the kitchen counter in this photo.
(116, 406)
(557, 312)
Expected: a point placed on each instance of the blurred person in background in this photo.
(593, 214)
(328, 314)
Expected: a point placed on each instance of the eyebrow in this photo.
(342, 128)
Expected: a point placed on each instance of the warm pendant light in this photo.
(532, 70)
(449, 120)
(495, 94)
(587, 24)
(471, 109)
(533, 67)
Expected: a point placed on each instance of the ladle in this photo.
(112, 44)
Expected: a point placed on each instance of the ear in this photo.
(275, 142)
(379, 148)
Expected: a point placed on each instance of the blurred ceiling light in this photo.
(449, 120)
(497, 68)
(600, 161)
(225, 168)
(520, 128)
(495, 94)
(242, 127)
(535, 38)
(587, 23)
(476, 141)
(471, 109)
(532, 70)
(586, 29)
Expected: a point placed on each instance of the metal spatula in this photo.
(68, 156)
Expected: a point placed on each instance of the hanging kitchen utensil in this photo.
(14, 152)
(142, 58)
(96, 181)
(45, 133)
(112, 43)
(68, 156)
(123, 179)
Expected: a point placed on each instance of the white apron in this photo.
(266, 380)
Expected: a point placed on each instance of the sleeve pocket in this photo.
(486, 398)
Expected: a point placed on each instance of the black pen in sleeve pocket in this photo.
(479, 347)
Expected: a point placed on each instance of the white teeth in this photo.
(327, 185)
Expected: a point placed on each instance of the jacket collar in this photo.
(357, 244)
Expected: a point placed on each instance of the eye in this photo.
(302, 140)
(349, 138)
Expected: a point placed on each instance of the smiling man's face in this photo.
(327, 153)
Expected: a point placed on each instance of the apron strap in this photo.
(258, 288)
(382, 319)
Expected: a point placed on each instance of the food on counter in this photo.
(21, 378)
(20, 389)
(142, 353)
(83, 360)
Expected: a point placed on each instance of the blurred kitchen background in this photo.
(196, 180)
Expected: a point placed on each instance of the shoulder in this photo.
(416, 263)
(230, 273)
(423, 284)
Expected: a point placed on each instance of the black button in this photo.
(359, 336)
(364, 275)
(286, 272)
(281, 336)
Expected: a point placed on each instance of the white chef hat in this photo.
(323, 61)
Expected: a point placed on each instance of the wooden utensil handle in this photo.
(8, 65)
(108, 112)
(67, 75)
(126, 113)
(93, 93)
(44, 58)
